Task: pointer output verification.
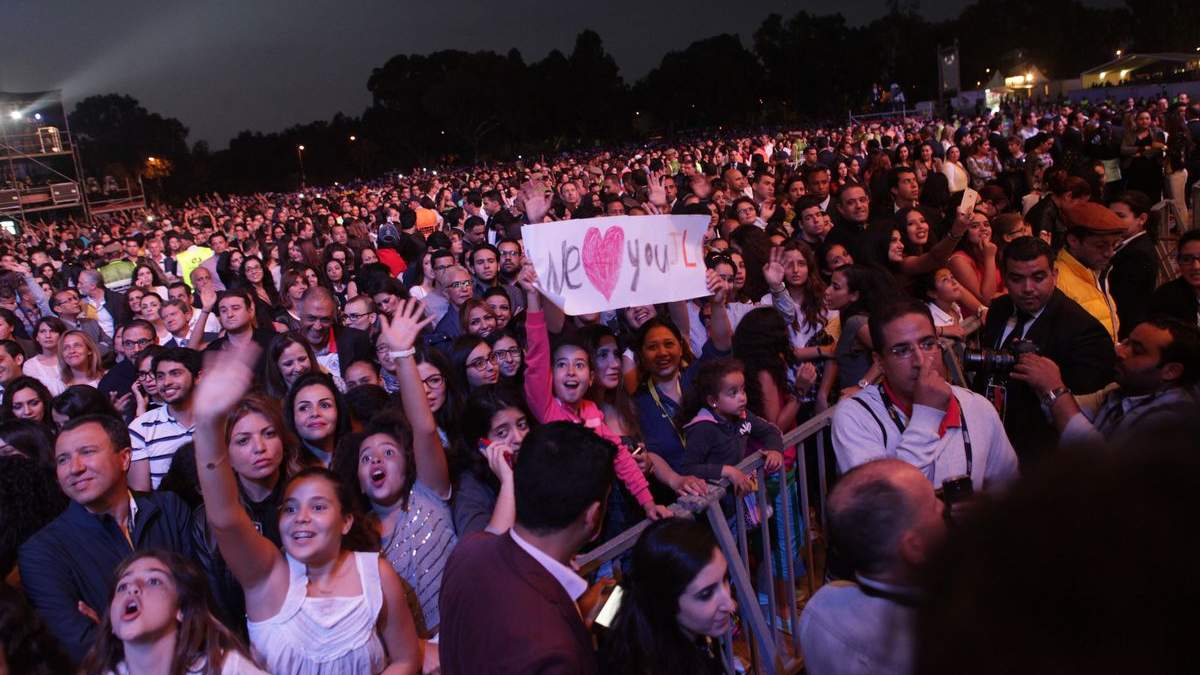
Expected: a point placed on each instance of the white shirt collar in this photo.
(1125, 242)
(571, 582)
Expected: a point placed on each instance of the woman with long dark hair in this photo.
(974, 264)
(263, 454)
(316, 413)
(472, 363)
(159, 622)
(289, 356)
(399, 466)
(256, 276)
(677, 602)
(852, 291)
(26, 398)
(495, 421)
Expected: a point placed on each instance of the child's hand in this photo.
(741, 482)
(657, 511)
(774, 461)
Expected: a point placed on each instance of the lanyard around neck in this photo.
(962, 418)
(663, 410)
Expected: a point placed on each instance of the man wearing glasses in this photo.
(360, 313)
(119, 380)
(68, 306)
(915, 415)
(333, 344)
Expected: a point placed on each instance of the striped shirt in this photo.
(156, 435)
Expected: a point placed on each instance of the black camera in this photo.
(956, 490)
(1000, 361)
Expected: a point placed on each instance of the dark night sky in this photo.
(222, 66)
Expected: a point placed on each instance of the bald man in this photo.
(886, 522)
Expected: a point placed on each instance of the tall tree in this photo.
(116, 134)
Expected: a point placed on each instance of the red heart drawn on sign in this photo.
(602, 258)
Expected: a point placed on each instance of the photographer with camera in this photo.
(915, 415)
(1036, 317)
(1158, 366)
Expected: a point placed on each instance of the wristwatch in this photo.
(1049, 399)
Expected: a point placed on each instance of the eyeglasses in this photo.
(434, 381)
(137, 344)
(1188, 260)
(510, 354)
(906, 351)
(460, 285)
(482, 362)
(356, 316)
(145, 375)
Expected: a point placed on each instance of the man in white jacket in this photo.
(915, 415)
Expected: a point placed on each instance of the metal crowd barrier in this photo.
(766, 653)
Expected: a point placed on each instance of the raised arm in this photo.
(251, 557)
(401, 332)
(208, 298)
(937, 256)
(720, 326)
(539, 391)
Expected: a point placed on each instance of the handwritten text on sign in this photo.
(598, 264)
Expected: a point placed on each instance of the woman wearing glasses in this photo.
(458, 287)
(510, 356)
(473, 363)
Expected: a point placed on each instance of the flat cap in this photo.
(1094, 218)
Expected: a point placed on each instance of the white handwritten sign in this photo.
(598, 264)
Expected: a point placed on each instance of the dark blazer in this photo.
(73, 558)
(352, 345)
(116, 305)
(502, 612)
(1072, 338)
(1131, 280)
(1176, 299)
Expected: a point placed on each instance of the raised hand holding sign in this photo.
(601, 264)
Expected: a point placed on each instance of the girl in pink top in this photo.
(557, 393)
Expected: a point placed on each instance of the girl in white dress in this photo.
(318, 607)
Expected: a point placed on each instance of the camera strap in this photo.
(894, 412)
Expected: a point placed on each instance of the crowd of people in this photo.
(341, 430)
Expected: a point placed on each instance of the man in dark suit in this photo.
(1036, 311)
(67, 567)
(110, 306)
(1133, 271)
(1180, 299)
(335, 345)
(508, 600)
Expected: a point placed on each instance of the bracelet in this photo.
(777, 291)
(402, 353)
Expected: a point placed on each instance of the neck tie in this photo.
(1023, 319)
